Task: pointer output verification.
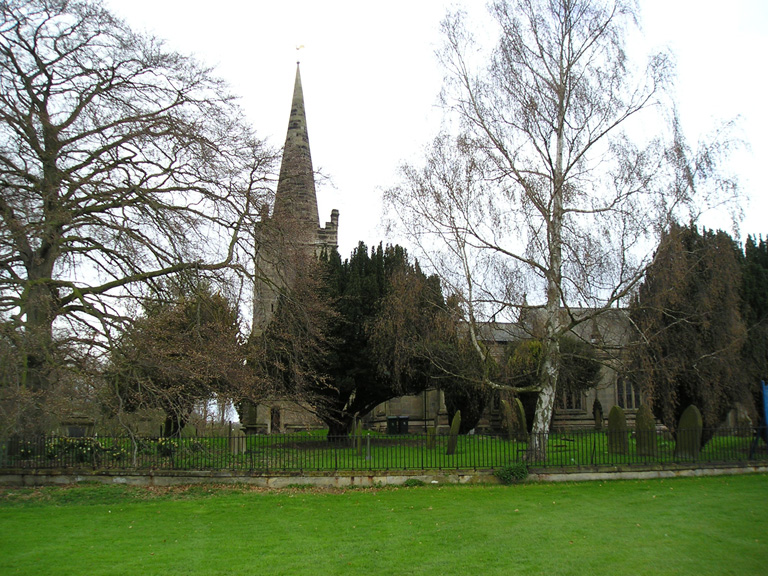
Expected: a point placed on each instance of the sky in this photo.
(371, 83)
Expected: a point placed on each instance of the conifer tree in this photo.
(688, 313)
(755, 314)
(389, 316)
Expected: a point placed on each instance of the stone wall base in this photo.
(18, 477)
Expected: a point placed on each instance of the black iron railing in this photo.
(315, 452)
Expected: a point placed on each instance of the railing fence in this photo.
(310, 452)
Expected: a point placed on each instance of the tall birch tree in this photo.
(536, 197)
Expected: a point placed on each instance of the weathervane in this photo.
(299, 47)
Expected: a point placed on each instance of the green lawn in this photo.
(716, 525)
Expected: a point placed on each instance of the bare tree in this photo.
(540, 198)
(120, 163)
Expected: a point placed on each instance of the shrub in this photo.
(23, 449)
(413, 482)
(74, 450)
(195, 446)
(512, 474)
(115, 453)
(167, 446)
(618, 440)
(147, 446)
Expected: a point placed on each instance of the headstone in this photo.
(688, 444)
(237, 442)
(453, 437)
(78, 426)
(618, 440)
(250, 419)
(431, 437)
(597, 414)
(645, 432)
(513, 420)
(359, 437)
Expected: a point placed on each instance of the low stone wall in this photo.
(170, 478)
(19, 477)
(644, 473)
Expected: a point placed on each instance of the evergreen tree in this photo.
(462, 375)
(755, 314)
(688, 313)
(389, 311)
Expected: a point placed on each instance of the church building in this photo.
(292, 231)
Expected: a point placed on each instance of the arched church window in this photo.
(627, 395)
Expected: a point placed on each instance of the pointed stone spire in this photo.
(293, 232)
(296, 199)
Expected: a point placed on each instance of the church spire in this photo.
(296, 199)
(293, 232)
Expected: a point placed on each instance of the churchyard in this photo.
(708, 525)
(371, 451)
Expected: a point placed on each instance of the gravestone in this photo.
(453, 438)
(359, 437)
(688, 444)
(513, 420)
(597, 414)
(618, 440)
(78, 426)
(432, 436)
(237, 442)
(249, 419)
(645, 432)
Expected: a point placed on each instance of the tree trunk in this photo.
(37, 349)
(338, 430)
(39, 303)
(37, 371)
(39, 308)
(550, 367)
(545, 404)
(173, 426)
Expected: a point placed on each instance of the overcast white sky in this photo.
(371, 81)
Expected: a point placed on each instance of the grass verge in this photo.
(712, 525)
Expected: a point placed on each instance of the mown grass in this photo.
(713, 525)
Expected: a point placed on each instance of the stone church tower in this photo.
(293, 229)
